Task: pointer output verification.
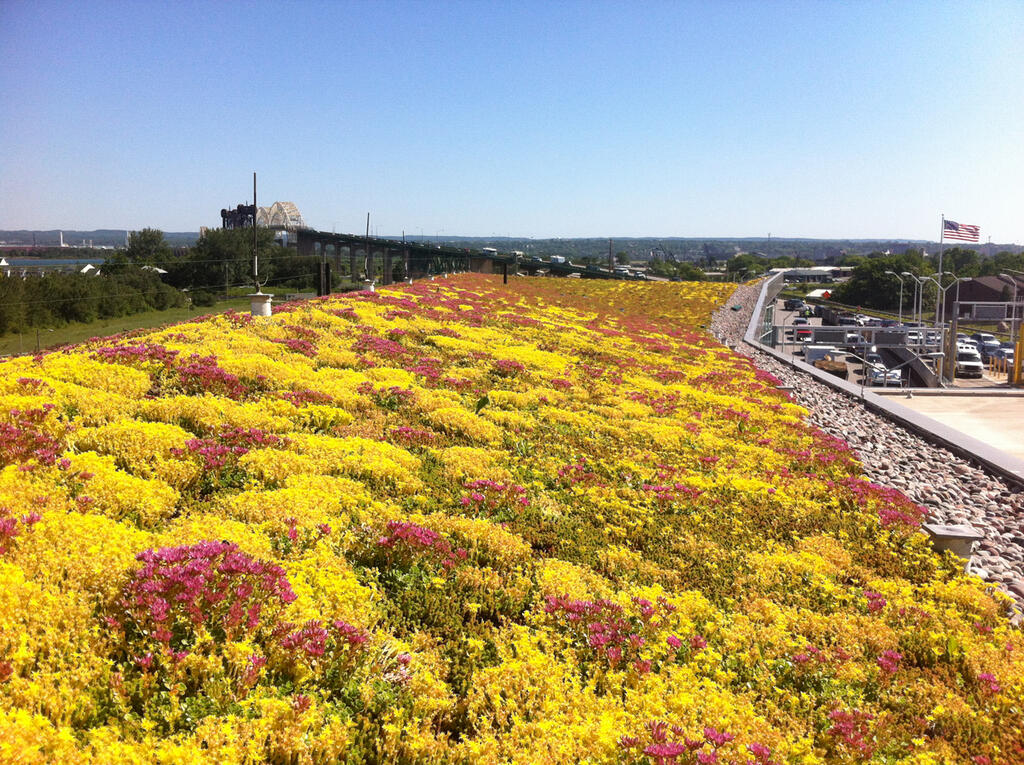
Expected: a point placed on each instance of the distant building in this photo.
(814, 274)
(985, 289)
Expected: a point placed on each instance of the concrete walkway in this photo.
(996, 420)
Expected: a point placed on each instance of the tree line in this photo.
(59, 298)
(871, 287)
(129, 283)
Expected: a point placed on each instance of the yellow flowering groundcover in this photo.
(462, 521)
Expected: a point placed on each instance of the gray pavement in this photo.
(998, 420)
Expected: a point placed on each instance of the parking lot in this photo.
(791, 344)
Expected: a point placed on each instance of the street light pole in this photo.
(917, 293)
(1013, 308)
(940, 297)
(893, 273)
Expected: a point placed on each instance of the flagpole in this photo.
(941, 295)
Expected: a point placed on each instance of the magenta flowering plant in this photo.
(604, 634)
(143, 355)
(327, 655)
(294, 538)
(407, 543)
(12, 526)
(665, 744)
(170, 626)
(299, 345)
(31, 434)
(388, 397)
(219, 455)
(491, 499)
(851, 732)
(507, 368)
(201, 374)
(211, 586)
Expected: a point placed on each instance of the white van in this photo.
(968, 362)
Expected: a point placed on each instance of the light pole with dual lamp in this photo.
(938, 286)
(893, 273)
(917, 294)
(1013, 304)
(940, 297)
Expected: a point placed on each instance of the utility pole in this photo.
(611, 262)
(255, 256)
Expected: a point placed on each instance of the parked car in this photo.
(968, 362)
(793, 304)
(1002, 353)
(800, 321)
(876, 373)
(804, 334)
(987, 347)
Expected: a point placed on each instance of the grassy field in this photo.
(32, 339)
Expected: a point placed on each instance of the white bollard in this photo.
(259, 303)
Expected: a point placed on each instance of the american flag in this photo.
(962, 231)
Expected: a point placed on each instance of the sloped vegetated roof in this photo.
(462, 521)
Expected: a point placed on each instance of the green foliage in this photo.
(871, 287)
(687, 272)
(56, 299)
(1001, 262)
(147, 247)
(224, 257)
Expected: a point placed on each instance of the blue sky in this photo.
(815, 119)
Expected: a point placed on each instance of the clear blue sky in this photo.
(717, 118)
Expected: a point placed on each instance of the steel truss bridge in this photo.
(385, 261)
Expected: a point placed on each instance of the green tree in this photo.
(748, 262)
(961, 261)
(1000, 262)
(224, 257)
(622, 258)
(871, 287)
(147, 247)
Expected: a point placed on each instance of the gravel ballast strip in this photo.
(951, 488)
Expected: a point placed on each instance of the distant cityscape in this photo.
(681, 249)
